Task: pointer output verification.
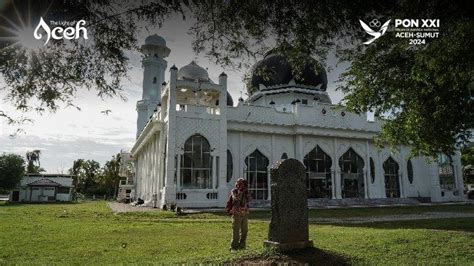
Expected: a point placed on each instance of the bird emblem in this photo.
(370, 31)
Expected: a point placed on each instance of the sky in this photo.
(70, 134)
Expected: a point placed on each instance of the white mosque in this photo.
(193, 142)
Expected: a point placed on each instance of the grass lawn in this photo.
(90, 233)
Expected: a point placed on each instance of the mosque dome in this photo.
(274, 69)
(155, 40)
(193, 71)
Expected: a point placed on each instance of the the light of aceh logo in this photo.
(374, 24)
(58, 33)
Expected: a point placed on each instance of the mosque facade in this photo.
(193, 142)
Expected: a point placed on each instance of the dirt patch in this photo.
(308, 256)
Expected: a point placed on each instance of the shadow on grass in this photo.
(308, 256)
(451, 224)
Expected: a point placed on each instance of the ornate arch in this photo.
(256, 174)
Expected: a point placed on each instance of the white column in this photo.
(178, 172)
(337, 172)
(272, 160)
(435, 191)
(457, 168)
(401, 171)
(170, 189)
(299, 150)
(214, 172)
(367, 172)
(240, 168)
(221, 175)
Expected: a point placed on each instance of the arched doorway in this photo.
(352, 175)
(392, 181)
(318, 173)
(256, 173)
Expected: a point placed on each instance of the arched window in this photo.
(446, 172)
(372, 170)
(284, 156)
(410, 171)
(318, 173)
(392, 182)
(196, 163)
(230, 166)
(256, 173)
(352, 176)
(154, 80)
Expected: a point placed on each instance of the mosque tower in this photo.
(154, 65)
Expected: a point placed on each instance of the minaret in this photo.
(154, 66)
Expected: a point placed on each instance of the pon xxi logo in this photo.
(375, 23)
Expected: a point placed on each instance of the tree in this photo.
(423, 92)
(33, 158)
(467, 161)
(86, 173)
(110, 175)
(75, 171)
(467, 155)
(12, 170)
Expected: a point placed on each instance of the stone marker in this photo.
(289, 225)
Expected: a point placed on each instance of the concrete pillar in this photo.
(222, 149)
(214, 171)
(401, 173)
(435, 191)
(170, 189)
(337, 171)
(241, 158)
(274, 158)
(458, 174)
(367, 171)
(178, 172)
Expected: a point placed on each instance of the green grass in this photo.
(90, 233)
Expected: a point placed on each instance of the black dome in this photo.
(274, 69)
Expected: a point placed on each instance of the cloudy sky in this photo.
(70, 134)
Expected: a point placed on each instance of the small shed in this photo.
(43, 188)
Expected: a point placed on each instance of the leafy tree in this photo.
(34, 165)
(467, 160)
(86, 173)
(75, 171)
(424, 92)
(467, 155)
(110, 175)
(12, 169)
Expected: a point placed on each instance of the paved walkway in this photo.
(122, 208)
